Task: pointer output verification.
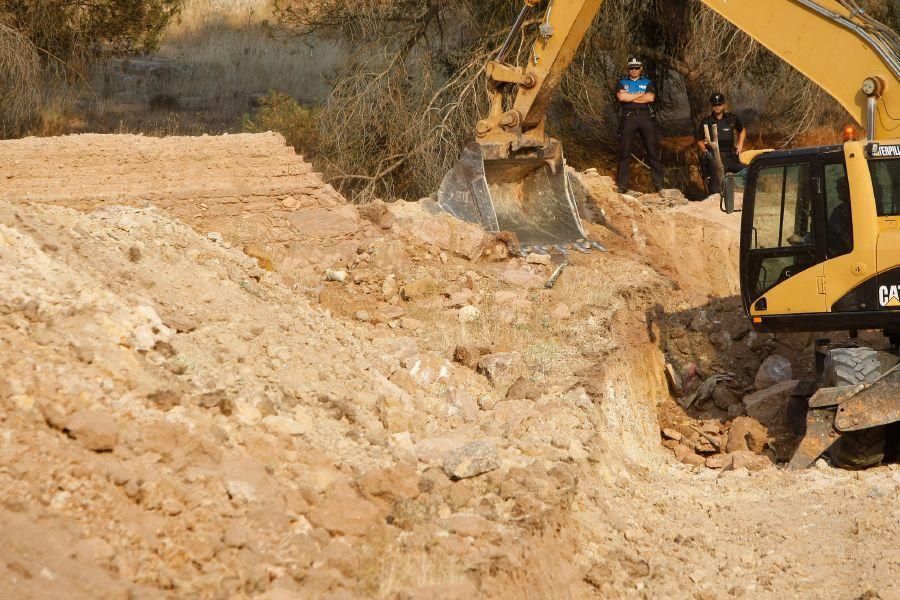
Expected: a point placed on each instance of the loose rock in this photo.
(468, 314)
(342, 512)
(775, 369)
(522, 389)
(95, 430)
(522, 278)
(746, 460)
(746, 434)
(419, 289)
(471, 460)
(769, 406)
(467, 355)
(724, 398)
(501, 368)
(538, 259)
(686, 455)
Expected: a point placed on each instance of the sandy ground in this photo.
(191, 409)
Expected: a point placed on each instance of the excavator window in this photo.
(783, 241)
(886, 185)
(839, 218)
(783, 212)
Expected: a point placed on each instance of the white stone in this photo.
(468, 314)
(285, 425)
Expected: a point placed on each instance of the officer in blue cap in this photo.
(636, 95)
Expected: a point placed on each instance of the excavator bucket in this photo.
(527, 194)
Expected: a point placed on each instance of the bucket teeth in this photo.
(584, 246)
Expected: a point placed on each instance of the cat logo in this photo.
(889, 295)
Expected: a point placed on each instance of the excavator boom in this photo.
(836, 45)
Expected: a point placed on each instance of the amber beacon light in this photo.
(849, 133)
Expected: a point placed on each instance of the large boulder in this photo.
(769, 406)
(747, 434)
(774, 369)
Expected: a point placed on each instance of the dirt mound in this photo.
(250, 188)
(426, 421)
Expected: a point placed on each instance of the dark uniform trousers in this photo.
(640, 121)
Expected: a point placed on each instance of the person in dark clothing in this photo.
(840, 222)
(731, 142)
(636, 95)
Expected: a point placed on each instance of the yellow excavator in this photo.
(820, 227)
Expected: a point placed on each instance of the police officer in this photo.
(636, 95)
(731, 142)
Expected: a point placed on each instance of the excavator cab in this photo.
(820, 238)
(820, 251)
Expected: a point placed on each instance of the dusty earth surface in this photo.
(219, 380)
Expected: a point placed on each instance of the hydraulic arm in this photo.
(835, 44)
(512, 176)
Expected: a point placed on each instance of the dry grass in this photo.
(233, 49)
(401, 572)
(20, 80)
(219, 58)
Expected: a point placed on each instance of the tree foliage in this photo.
(46, 40)
(76, 31)
(411, 88)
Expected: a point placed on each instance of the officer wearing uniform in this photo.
(731, 142)
(636, 95)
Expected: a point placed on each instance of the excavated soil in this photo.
(192, 408)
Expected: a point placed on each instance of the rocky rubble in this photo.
(181, 420)
(720, 371)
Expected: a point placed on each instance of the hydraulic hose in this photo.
(881, 38)
(520, 20)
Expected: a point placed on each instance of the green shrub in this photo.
(297, 123)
